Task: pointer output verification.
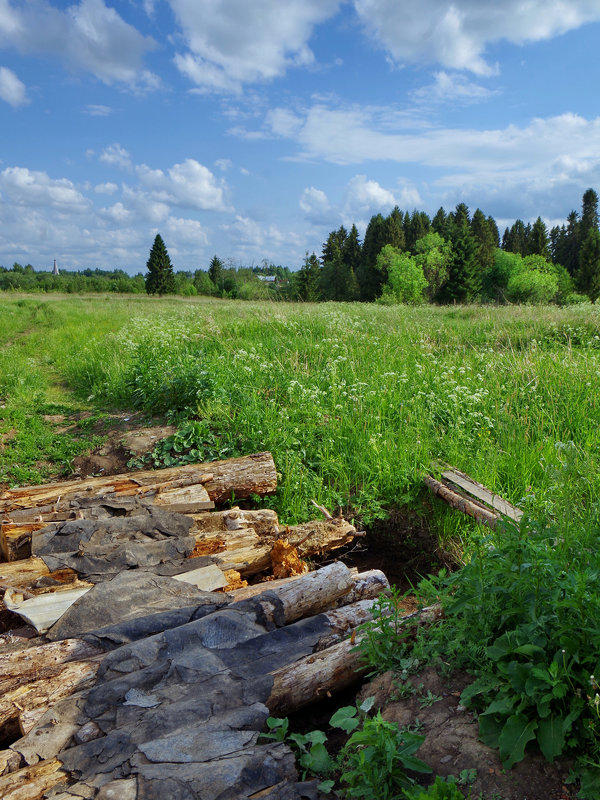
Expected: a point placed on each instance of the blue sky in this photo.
(251, 128)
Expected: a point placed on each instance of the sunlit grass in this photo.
(356, 402)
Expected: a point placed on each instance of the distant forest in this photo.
(404, 258)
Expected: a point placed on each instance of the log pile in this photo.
(149, 680)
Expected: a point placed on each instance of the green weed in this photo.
(372, 764)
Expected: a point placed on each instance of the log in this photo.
(32, 783)
(248, 553)
(314, 677)
(10, 761)
(461, 502)
(253, 474)
(41, 695)
(24, 665)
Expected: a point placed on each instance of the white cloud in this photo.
(232, 42)
(106, 188)
(116, 156)
(98, 110)
(12, 90)
(455, 32)
(223, 164)
(189, 184)
(25, 187)
(116, 213)
(452, 87)
(88, 36)
(363, 198)
(315, 205)
(186, 231)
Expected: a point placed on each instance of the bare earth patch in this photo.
(127, 437)
(452, 743)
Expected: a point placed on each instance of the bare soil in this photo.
(452, 744)
(127, 436)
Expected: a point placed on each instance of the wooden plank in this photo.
(482, 493)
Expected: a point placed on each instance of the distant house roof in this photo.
(267, 278)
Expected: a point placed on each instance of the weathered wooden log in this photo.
(314, 677)
(41, 695)
(248, 553)
(461, 502)
(10, 761)
(32, 783)
(253, 474)
(23, 666)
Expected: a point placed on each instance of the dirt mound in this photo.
(452, 746)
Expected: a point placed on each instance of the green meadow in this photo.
(356, 402)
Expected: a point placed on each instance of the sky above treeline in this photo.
(251, 128)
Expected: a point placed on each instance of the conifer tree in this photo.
(538, 244)
(352, 250)
(216, 272)
(369, 279)
(309, 279)
(485, 238)
(160, 278)
(439, 224)
(394, 229)
(588, 274)
(589, 214)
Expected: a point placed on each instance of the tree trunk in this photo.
(254, 474)
(459, 501)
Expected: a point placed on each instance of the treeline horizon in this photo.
(452, 257)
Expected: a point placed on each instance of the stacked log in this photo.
(282, 636)
(174, 699)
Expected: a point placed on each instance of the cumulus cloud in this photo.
(25, 187)
(116, 156)
(12, 90)
(189, 184)
(363, 198)
(232, 42)
(87, 36)
(106, 188)
(455, 33)
(315, 205)
(98, 110)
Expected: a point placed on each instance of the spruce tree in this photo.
(486, 240)
(369, 279)
(216, 273)
(538, 244)
(309, 279)
(160, 278)
(352, 250)
(589, 214)
(588, 275)
(394, 229)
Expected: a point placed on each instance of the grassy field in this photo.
(354, 401)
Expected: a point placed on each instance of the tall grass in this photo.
(354, 401)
